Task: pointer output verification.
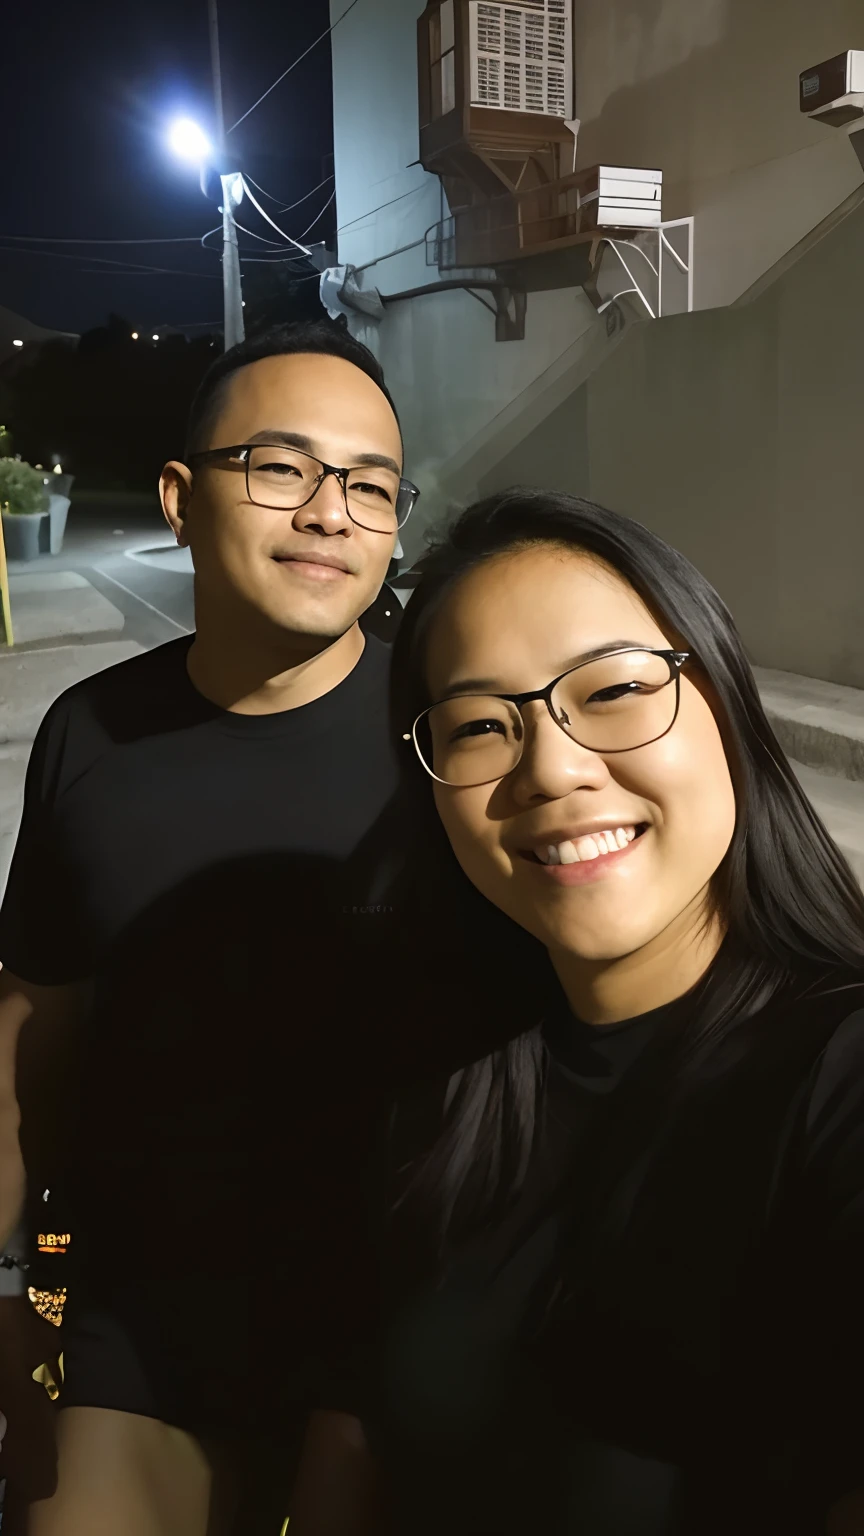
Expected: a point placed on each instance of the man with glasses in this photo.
(190, 915)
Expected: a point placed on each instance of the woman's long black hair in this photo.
(791, 907)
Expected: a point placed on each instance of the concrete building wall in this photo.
(448, 374)
(708, 91)
(736, 434)
(733, 430)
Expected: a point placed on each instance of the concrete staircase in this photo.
(821, 728)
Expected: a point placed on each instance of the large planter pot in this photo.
(21, 534)
(53, 528)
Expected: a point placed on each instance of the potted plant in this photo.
(24, 503)
(51, 533)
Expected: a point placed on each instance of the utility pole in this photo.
(232, 191)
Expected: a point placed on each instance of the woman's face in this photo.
(517, 622)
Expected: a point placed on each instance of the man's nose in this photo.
(327, 511)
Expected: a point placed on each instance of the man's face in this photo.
(261, 559)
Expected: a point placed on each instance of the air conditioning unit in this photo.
(833, 92)
(521, 56)
(621, 197)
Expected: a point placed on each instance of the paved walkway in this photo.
(119, 587)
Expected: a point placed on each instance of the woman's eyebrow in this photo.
(493, 685)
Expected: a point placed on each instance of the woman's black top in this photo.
(664, 1336)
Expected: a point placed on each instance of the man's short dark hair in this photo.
(321, 337)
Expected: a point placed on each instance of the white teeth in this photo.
(587, 848)
(592, 846)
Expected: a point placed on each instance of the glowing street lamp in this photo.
(189, 141)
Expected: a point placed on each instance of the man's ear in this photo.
(175, 493)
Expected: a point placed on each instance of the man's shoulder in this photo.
(116, 705)
(126, 684)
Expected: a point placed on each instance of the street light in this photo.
(189, 141)
(17, 343)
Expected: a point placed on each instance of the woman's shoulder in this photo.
(835, 1095)
(830, 1105)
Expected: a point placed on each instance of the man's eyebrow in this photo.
(490, 685)
(375, 461)
(305, 445)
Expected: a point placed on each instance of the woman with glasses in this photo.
(624, 1251)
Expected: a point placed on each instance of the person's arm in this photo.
(38, 1034)
(45, 957)
(336, 1492)
(38, 1027)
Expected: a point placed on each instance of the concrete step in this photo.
(840, 803)
(818, 724)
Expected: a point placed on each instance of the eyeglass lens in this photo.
(613, 704)
(285, 477)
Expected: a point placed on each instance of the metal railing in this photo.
(516, 224)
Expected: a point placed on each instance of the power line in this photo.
(262, 238)
(287, 71)
(262, 190)
(272, 257)
(289, 208)
(189, 325)
(307, 277)
(320, 215)
(64, 240)
(389, 204)
(140, 268)
(264, 215)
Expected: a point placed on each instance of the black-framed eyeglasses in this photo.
(376, 497)
(611, 703)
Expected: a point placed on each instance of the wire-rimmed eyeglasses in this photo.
(611, 703)
(281, 477)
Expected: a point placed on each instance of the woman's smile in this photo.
(580, 859)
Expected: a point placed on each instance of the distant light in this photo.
(38, 466)
(189, 141)
(243, 302)
(155, 336)
(58, 469)
(17, 343)
(134, 335)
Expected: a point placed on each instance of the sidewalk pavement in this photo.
(120, 587)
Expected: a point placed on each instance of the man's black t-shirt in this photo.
(215, 874)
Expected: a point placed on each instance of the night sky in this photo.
(88, 92)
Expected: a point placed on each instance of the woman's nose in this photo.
(552, 764)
